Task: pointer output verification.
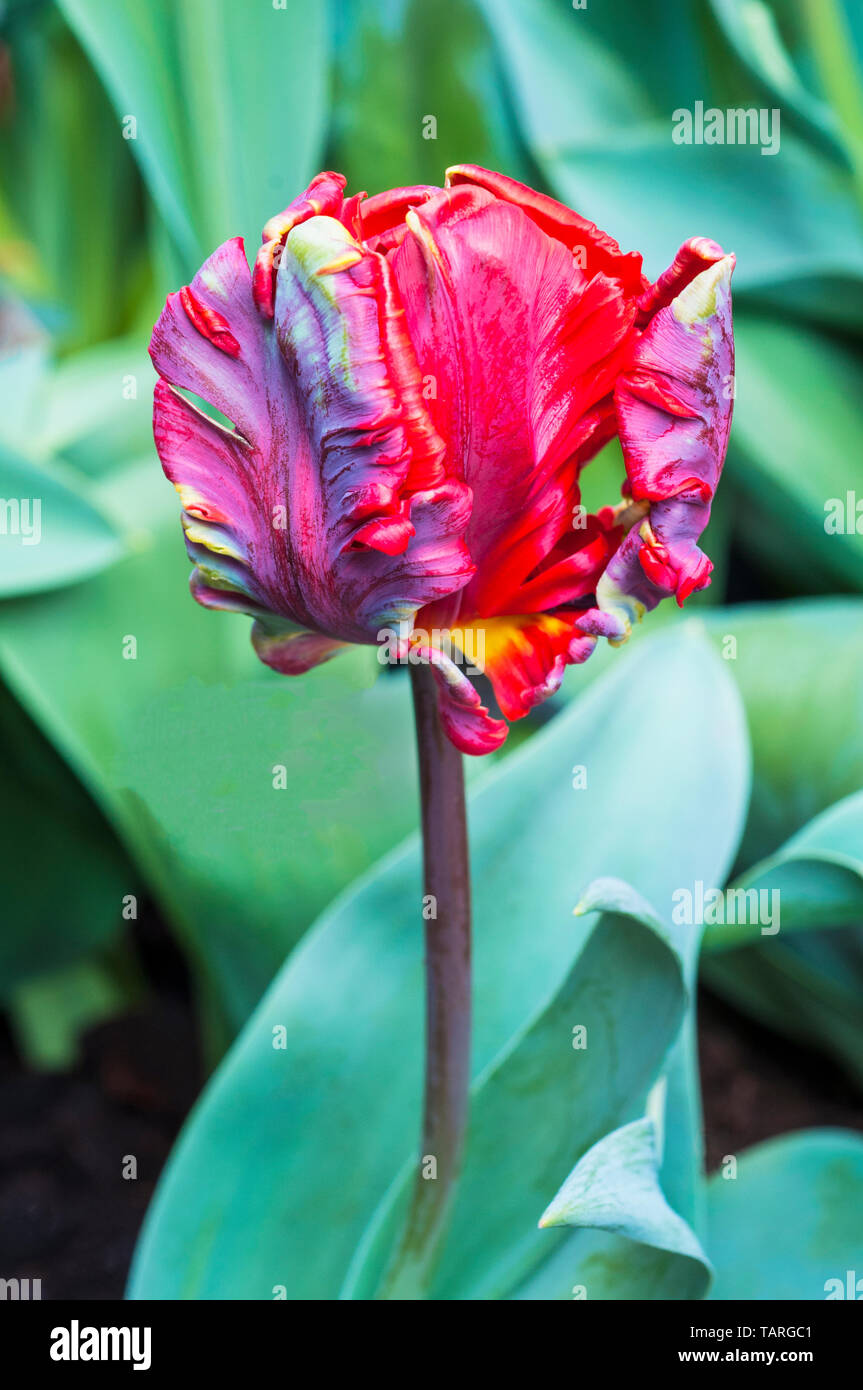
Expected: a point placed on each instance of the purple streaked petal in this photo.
(327, 505)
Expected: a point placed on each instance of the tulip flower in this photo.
(414, 382)
(410, 386)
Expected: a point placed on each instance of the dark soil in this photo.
(756, 1085)
(67, 1214)
(70, 1218)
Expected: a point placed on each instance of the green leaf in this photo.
(598, 120)
(750, 28)
(582, 1065)
(49, 1014)
(51, 532)
(23, 368)
(187, 712)
(615, 1187)
(677, 1100)
(777, 654)
(414, 95)
(808, 988)
(96, 407)
(807, 985)
(816, 880)
(229, 103)
(309, 780)
(70, 181)
(796, 437)
(803, 763)
(790, 1225)
(349, 1001)
(61, 905)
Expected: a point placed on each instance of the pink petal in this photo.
(328, 505)
(466, 721)
(292, 652)
(324, 195)
(674, 403)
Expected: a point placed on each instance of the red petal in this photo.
(602, 253)
(521, 352)
(674, 405)
(324, 195)
(209, 323)
(385, 212)
(466, 721)
(525, 657)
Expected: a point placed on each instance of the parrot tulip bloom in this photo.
(414, 382)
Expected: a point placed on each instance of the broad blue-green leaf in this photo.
(164, 711)
(815, 880)
(615, 1187)
(299, 1118)
(785, 217)
(64, 875)
(23, 367)
(413, 95)
(797, 435)
(751, 29)
(601, 134)
(134, 48)
(229, 102)
(543, 1102)
(51, 530)
(790, 1225)
(677, 1101)
(806, 984)
(307, 782)
(777, 654)
(96, 407)
(569, 84)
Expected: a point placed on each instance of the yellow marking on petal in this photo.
(627, 513)
(189, 497)
(699, 299)
(351, 258)
(216, 580)
(314, 250)
(209, 538)
(212, 282)
(486, 640)
(625, 607)
(416, 225)
(646, 533)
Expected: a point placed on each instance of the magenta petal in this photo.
(674, 403)
(466, 721)
(290, 651)
(695, 255)
(325, 194)
(327, 505)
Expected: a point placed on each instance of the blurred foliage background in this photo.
(135, 135)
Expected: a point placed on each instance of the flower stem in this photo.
(446, 910)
